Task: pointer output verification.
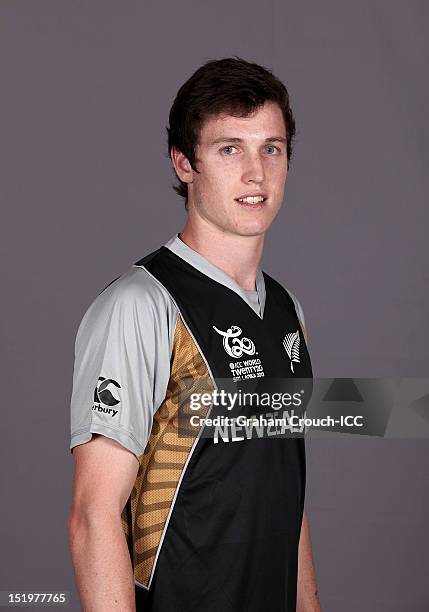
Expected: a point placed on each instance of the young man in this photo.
(166, 521)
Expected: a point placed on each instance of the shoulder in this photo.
(277, 286)
(135, 296)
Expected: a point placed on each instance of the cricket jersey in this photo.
(214, 517)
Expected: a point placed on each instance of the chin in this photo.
(251, 229)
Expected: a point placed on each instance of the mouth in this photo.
(252, 201)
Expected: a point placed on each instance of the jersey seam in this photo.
(173, 334)
(87, 429)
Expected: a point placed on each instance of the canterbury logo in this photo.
(233, 345)
(291, 344)
(105, 391)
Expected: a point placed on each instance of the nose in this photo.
(253, 169)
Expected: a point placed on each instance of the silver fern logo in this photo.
(291, 344)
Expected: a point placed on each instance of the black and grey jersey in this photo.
(214, 516)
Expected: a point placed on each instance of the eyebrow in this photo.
(233, 139)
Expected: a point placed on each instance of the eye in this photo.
(272, 149)
(227, 149)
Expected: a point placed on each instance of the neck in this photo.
(237, 256)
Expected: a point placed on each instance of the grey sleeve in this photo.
(122, 362)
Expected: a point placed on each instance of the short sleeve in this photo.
(122, 362)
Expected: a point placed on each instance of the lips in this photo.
(252, 205)
(252, 201)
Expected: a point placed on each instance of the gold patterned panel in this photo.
(162, 463)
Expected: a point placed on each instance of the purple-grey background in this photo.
(86, 190)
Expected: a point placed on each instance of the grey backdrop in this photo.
(85, 191)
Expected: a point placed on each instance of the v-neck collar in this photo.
(198, 261)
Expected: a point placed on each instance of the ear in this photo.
(182, 166)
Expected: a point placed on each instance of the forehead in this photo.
(265, 122)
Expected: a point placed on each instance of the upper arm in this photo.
(104, 474)
(122, 364)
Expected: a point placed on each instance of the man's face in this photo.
(239, 157)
